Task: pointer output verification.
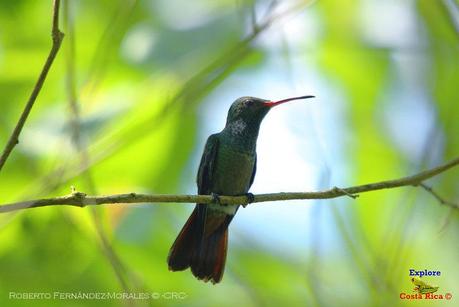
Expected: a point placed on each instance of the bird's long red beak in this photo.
(275, 103)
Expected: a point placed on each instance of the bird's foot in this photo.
(250, 199)
(216, 198)
(336, 189)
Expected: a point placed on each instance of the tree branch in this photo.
(439, 197)
(57, 37)
(79, 199)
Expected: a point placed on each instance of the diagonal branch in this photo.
(439, 197)
(57, 37)
(79, 199)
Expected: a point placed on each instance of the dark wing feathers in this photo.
(207, 165)
(254, 171)
(205, 175)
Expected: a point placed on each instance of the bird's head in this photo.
(251, 110)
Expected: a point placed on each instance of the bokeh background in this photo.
(139, 85)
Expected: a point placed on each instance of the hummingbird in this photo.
(228, 166)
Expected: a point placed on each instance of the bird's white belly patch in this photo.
(228, 209)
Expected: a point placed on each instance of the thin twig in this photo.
(57, 37)
(439, 197)
(79, 199)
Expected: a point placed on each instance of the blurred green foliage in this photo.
(142, 71)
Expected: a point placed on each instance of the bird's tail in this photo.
(202, 245)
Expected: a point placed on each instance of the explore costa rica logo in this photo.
(424, 289)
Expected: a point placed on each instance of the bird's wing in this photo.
(253, 171)
(205, 177)
(207, 165)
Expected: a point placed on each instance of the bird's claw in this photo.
(215, 198)
(250, 199)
